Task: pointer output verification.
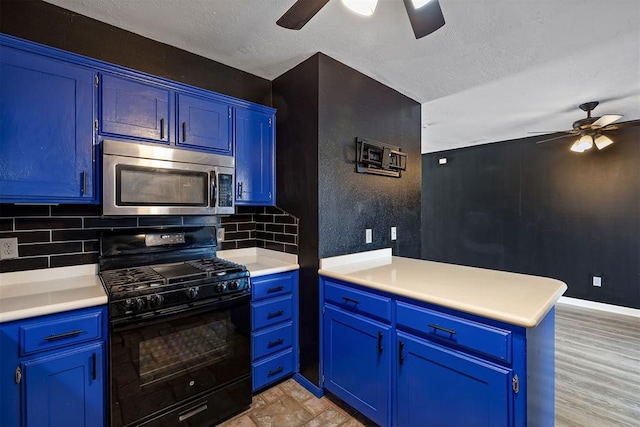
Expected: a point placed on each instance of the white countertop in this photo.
(32, 293)
(513, 298)
(261, 262)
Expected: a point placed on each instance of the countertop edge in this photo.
(526, 322)
(51, 309)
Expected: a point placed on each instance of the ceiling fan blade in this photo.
(605, 120)
(553, 138)
(426, 19)
(300, 13)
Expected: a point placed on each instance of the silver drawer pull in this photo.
(275, 314)
(275, 289)
(440, 328)
(65, 335)
(192, 412)
(275, 343)
(275, 371)
(347, 299)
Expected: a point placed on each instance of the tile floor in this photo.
(288, 404)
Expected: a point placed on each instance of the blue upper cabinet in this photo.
(46, 129)
(204, 123)
(135, 109)
(255, 157)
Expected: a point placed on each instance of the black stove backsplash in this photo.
(66, 235)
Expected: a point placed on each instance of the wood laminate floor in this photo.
(597, 380)
(597, 368)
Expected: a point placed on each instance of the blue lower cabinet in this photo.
(440, 386)
(53, 369)
(402, 362)
(274, 334)
(66, 389)
(357, 362)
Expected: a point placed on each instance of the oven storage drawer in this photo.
(272, 311)
(272, 369)
(455, 331)
(60, 331)
(354, 300)
(272, 340)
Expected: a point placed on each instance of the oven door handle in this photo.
(191, 412)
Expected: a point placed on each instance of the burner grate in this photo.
(127, 279)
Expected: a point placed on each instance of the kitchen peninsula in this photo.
(409, 342)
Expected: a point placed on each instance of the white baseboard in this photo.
(600, 306)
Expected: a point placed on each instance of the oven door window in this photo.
(144, 186)
(159, 363)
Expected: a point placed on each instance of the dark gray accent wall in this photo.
(323, 106)
(540, 209)
(353, 105)
(57, 27)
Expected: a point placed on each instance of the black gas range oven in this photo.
(179, 338)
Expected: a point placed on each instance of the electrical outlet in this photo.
(9, 248)
(368, 236)
(597, 281)
(220, 234)
(394, 236)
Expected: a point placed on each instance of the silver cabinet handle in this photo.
(188, 414)
(161, 128)
(84, 183)
(240, 190)
(184, 131)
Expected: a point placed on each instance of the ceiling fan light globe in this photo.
(603, 141)
(362, 7)
(417, 4)
(583, 144)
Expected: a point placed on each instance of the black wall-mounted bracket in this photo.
(379, 158)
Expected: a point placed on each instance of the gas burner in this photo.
(216, 266)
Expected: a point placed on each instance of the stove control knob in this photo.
(193, 292)
(135, 304)
(233, 285)
(156, 300)
(220, 287)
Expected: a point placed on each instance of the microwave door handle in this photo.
(213, 190)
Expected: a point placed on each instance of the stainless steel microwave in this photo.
(143, 179)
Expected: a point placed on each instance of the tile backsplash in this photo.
(66, 235)
(264, 227)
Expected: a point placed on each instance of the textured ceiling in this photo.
(497, 70)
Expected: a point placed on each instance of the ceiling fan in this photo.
(590, 129)
(425, 16)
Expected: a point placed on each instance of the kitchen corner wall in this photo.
(540, 209)
(323, 106)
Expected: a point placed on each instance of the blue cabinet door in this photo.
(134, 109)
(357, 362)
(66, 388)
(255, 158)
(46, 129)
(442, 387)
(204, 123)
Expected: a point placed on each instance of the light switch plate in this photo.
(368, 236)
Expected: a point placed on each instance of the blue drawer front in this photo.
(271, 286)
(456, 331)
(358, 301)
(272, 369)
(272, 311)
(53, 333)
(272, 340)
